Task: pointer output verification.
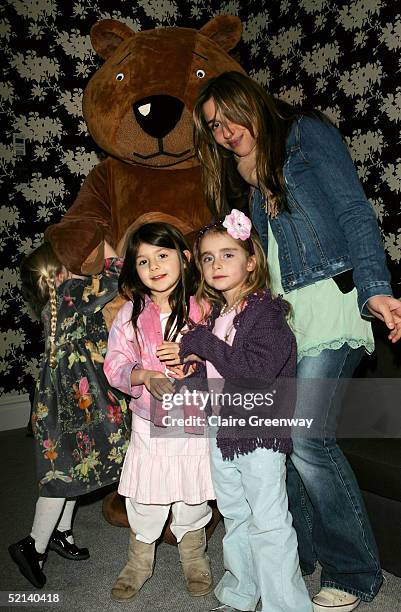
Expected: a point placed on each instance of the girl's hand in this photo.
(192, 357)
(178, 371)
(188, 330)
(157, 383)
(168, 353)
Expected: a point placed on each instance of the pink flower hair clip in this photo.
(238, 226)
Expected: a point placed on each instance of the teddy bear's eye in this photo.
(120, 76)
(200, 74)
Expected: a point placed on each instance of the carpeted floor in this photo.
(85, 585)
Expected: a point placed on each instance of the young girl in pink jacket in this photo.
(159, 472)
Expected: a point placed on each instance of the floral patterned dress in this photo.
(80, 423)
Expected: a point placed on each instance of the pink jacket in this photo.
(123, 355)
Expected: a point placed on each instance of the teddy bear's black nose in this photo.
(158, 115)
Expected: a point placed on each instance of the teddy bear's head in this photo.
(138, 105)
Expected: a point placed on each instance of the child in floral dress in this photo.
(80, 424)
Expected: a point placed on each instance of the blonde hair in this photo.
(258, 279)
(38, 272)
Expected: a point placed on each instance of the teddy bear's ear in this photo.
(107, 35)
(225, 30)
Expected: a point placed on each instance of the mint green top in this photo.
(322, 316)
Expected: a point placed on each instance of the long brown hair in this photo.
(38, 272)
(258, 279)
(242, 100)
(133, 289)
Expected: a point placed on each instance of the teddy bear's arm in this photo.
(78, 239)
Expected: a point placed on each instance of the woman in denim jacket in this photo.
(325, 254)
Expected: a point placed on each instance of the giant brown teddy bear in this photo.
(138, 108)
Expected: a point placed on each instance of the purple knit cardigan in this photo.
(263, 352)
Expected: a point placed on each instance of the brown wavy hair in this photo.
(38, 272)
(258, 279)
(242, 100)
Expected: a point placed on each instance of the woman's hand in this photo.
(387, 309)
(168, 353)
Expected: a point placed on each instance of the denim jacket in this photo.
(330, 226)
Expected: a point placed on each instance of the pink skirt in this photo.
(162, 470)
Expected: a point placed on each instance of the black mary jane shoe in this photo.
(60, 545)
(27, 558)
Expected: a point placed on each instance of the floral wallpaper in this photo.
(343, 57)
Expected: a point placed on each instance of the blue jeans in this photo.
(260, 544)
(325, 501)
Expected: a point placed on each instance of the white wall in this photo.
(14, 411)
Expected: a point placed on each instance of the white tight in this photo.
(147, 520)
(47, 515)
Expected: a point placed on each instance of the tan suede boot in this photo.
(138, 570)
(195, 563)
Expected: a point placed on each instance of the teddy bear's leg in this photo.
(115, 513)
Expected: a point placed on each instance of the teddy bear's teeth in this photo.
(144, 109)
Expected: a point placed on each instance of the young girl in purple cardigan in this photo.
(246, 339)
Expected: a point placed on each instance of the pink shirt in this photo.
(124, 353)
(225, 330)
